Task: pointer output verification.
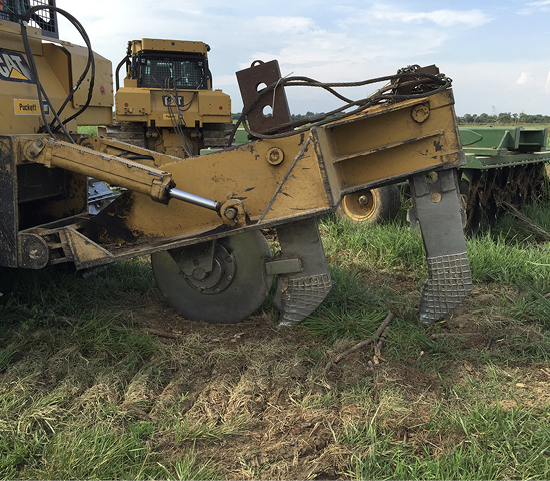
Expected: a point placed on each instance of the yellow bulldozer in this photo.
(167, 102)
(201, 219)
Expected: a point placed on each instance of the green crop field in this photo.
(100, 379)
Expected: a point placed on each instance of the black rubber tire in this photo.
(382, 205)
(235, 302)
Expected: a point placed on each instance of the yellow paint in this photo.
(383, 144)
(17, 75)
(27, 107)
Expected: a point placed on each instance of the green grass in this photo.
(484, 442)
(493, 259)
(46, 295)
(494, 256)
(188, 467)
(89, 130)
(390, 246)
(84, 394)
(95, 453)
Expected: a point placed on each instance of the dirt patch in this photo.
(273, 381)
(249, 372)
(530, 387)
(399, 281)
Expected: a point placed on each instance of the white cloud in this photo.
(283, 25)
(443, 18)
(496, 84)
(533, 7)
(524, 78)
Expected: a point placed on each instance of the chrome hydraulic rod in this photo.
(112, 169)
(194, 199)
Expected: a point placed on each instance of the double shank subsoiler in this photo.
(283, 183)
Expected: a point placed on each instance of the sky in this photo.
(496, 52)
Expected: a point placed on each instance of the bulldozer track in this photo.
(212, 135)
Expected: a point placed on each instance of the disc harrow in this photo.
(504, 165)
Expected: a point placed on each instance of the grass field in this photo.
(87, 391)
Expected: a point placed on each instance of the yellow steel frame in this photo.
(269, 182)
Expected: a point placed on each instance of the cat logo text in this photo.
(14, 67)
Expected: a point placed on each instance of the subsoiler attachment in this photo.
(435, 200)
(201, 218)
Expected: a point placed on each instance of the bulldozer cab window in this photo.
(170, 71)
(45, 19)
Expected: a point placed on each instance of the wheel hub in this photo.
(359, 205)
(224, 266)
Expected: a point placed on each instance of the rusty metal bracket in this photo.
(259, 76)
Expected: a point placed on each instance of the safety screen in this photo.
(172, 71)
(46, 20)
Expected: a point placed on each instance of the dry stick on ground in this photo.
(154, 332)
(362, 344)
(378, 346)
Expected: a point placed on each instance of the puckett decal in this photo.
(29, 107)
(14, 67)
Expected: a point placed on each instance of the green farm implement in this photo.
(504, 166)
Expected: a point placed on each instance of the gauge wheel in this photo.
(372, 206)
(235, 287)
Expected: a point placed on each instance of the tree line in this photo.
(504, 118)
(237, 116)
